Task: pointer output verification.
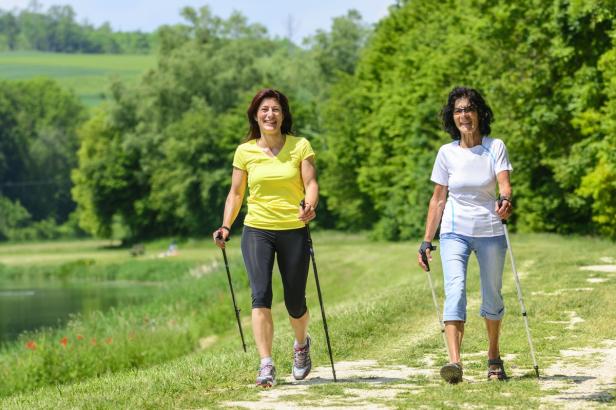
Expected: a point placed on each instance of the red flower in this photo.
(64, 341)
(79, 337)
(31, 345)
(109, 340)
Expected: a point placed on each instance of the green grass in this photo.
(379, 307)
(88, 75)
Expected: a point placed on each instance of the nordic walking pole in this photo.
(316, 278)
(237, 311)
(517, 284)
(424, 258)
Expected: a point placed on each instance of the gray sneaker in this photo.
(266, 377)
(301, 361)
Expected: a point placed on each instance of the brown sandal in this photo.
(499, 373)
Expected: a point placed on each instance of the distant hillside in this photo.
(56, 30)
(88, 75)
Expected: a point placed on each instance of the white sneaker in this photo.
(266, 377)
(301, 361)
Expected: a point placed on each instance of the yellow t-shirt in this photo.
(275, 184)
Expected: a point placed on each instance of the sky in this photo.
(305, 16)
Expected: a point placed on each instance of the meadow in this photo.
(182, 348)
(88, 75)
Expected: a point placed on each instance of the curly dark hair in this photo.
(287, 122)
(484, 112)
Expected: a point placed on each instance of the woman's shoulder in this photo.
(491, 142)
(449, 146)
(297, 142)
(248, 145)
(294, 139)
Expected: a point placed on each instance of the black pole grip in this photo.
(500, 202)
(219, 236)
(424, 259)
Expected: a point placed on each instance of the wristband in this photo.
(226, 228)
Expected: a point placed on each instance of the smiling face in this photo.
(465, 116)
(269, 117)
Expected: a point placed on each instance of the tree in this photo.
(173, 136)
(38, 122)
(537, 64)
(9, 30)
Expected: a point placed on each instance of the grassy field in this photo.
(385, 338)
(88, 75)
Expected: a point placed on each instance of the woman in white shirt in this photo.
(465, 175)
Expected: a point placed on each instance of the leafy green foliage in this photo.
(12, 215)
(599, 181)
(543, 68)
(38, 141)
(158, 156)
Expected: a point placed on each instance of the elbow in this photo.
(312, 186)
(235, 196)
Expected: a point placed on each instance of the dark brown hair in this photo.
(287, 121)
(484, 112)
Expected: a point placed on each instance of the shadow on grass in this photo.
(565, 378)
(604, 396)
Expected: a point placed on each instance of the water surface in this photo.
(26, 307)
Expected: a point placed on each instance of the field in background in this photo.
(88, 75)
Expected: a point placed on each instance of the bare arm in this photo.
(504, 188)
(435, 212)
(311, 188)
(233, 205)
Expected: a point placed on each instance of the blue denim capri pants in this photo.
(455, 252)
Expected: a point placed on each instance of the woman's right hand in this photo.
(426, 249)
(220, 236)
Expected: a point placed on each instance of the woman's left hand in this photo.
(504, 208)
(307, 213)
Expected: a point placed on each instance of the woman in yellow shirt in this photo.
(280, 171)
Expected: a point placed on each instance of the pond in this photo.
(33, 306)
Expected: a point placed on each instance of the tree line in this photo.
(548, 68)
(156, 157)
(57, 31)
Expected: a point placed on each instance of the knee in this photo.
(296, 309)
(493, 309)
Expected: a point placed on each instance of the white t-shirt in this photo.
(470, 175)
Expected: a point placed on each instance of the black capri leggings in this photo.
(292, 254)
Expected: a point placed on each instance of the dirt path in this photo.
(586, 377)
(379, 383)
(582, 378)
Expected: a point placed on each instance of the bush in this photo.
(12, 216)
